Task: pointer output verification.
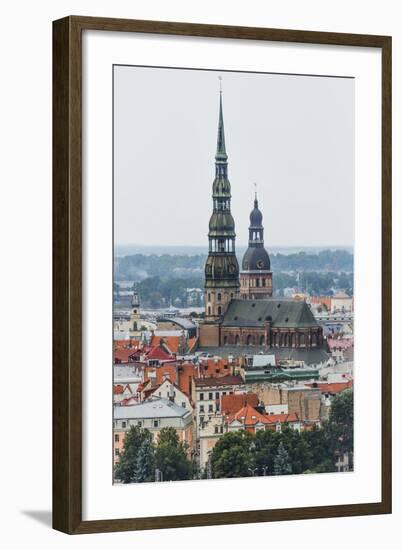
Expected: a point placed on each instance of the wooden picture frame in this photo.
(67, 273)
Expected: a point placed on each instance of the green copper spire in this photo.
(221, 154)
(221, 269)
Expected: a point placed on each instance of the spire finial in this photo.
(256, 195)
(221, 145)
(221, 84)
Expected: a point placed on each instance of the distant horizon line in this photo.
(237, 244)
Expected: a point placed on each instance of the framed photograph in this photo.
(222, 275)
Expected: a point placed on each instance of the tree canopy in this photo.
(267, 452)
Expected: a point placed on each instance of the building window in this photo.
(117, 452)
(124, 424)
(219, 297)
(139, 424)
(201, 397)
(210, 395)
(116, 438)
(208, 310)
(201, 408)
(183, 404)
(263, 282)
(219, 310)
(208, 296)
(225, 340)
(210, 408)
(155, 423)
(216, 429)
(217, 395)
(237, 340)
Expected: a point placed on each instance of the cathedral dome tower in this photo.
(256, 277)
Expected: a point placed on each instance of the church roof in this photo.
(281, 313)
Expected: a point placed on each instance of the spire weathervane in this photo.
(256, 195)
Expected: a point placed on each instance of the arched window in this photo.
(249, 340)
(302, 339)
(219, 297)
(237, 340)
(257, 282)
(262, 341)
(135, 326)
(208, 296)
(219, 310)
(208, 310)
(225, 340)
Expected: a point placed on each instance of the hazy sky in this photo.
(292, 135)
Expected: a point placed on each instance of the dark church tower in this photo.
(221, 269)
(256, 278)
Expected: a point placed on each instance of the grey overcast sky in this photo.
(292, 135)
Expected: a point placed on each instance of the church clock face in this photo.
(260, 264)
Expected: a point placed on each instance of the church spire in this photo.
(221, 154)
(221, 269)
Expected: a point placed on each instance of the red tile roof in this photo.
(192, 342)
(119, 389)
(159, 354)
(282, 418)
(230, 404)
(172, 342)
(249, 416)
(332, 387)
(161, 372)
(128, 343)
(122, 355)
(128, 401)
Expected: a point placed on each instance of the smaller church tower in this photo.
(256, 279)
(135, 316)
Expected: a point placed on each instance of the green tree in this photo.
(127, 468)
(231, 456)
(266, 445)
(321, 458)
(145, 462)
(340, 426)
(168, 436)
(171, 456)
(299, 452)
(282, 465)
